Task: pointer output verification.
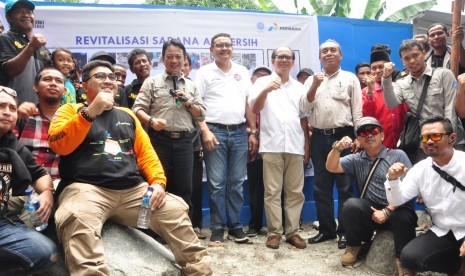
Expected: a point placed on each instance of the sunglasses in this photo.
(365, 133)
(103, 76)
(9, 91)
(435, 137)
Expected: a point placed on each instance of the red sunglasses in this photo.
(373, 132)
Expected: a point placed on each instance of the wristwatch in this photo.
(334, 146)
(254, 132)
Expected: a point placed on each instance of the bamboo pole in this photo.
(456, 20)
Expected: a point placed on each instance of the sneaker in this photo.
(350, 255)
(273, 241)
(297, 241)
(217, 236)
(237, 235)
(200, 235)
(251, 233)
(402, 271)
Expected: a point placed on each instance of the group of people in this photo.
(102, 144)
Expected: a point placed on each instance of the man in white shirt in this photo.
(439, 178)
(336, 103)
(223, 86)
(281, 102)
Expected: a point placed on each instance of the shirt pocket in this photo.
(160, 97)
(339, 92)
(434, 89)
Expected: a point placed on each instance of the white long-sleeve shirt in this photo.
(447, 208)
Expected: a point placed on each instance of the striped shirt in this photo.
(359, 165)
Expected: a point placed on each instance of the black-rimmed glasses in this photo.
(101, 76)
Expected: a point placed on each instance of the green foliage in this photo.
(268, 5)
(410, 11)
(374, 9)
(229, 4)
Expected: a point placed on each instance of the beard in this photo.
(52, 100)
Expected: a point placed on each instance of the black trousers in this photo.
(359, 226)
(197, 175)
(176, 157)
(256, 193)
(428, 252)
(323, 182)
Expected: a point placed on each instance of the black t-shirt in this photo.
(14, 175)
(11, 44)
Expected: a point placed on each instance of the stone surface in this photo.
(129, 252)
(381, 257)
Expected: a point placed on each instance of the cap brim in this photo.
(30, 5)
(366, 125)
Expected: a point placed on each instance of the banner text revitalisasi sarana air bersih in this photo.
(154, 40)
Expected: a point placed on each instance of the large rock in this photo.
(129, 252)
(381, 257)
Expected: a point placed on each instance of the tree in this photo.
(229, 4)
(374, 9)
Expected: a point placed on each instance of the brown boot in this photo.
(350, 255)
(401, 271)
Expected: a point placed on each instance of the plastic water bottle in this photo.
(145, 213)
(32, 204)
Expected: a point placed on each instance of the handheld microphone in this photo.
(174, 76)
(175, 80)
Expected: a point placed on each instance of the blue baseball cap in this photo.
(9, 4)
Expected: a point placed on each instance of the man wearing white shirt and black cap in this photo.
(281, 102)
(440, 179)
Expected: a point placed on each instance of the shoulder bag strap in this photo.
(449, 178)
(423, 93)
(369, 176)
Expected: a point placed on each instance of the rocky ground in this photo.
(255, 258)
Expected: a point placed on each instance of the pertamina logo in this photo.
(261, 27)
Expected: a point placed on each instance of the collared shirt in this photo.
(224, 94)
(440, 97)
(11, 44)
(445, 207)
(360, 164)
(280, 129)
(131, 91)
(33, 133)
(391, 119)
(155, 99)
(338, 101)
(433, 60)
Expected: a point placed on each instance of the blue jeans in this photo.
(226, 170)
(24, 250)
